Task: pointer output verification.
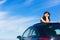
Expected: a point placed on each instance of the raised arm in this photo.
(47, 20)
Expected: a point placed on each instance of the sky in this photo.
(17, 15)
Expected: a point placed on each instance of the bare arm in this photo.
(47, 20)
(42, 20)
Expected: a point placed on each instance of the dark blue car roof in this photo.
(55, 25)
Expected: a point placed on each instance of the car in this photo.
(42, 31)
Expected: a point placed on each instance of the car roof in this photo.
(46, 24)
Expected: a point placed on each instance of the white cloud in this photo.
(46, 4)
(52, 3)
(13, 23)
(3, 14)
(2, 1)
(27, 3)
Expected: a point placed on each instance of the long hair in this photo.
(45, 17)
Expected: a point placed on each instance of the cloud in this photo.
(52, 3)
(2, 1)
(27, 3)
(10, 27)
(11, 23)
(46, 4)
(3, 14)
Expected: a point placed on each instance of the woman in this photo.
(45, 18)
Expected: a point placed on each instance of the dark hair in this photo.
(45, 17)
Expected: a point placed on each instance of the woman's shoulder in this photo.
(41, 20)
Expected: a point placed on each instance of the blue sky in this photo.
(17, 15)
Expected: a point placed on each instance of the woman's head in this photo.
(46, 14)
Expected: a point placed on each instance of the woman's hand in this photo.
(47, 20)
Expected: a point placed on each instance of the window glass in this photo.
(33, 32)
(27, 33)
(57, 31)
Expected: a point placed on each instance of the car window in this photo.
(57, 31)
(33, 33)
(27, 33)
